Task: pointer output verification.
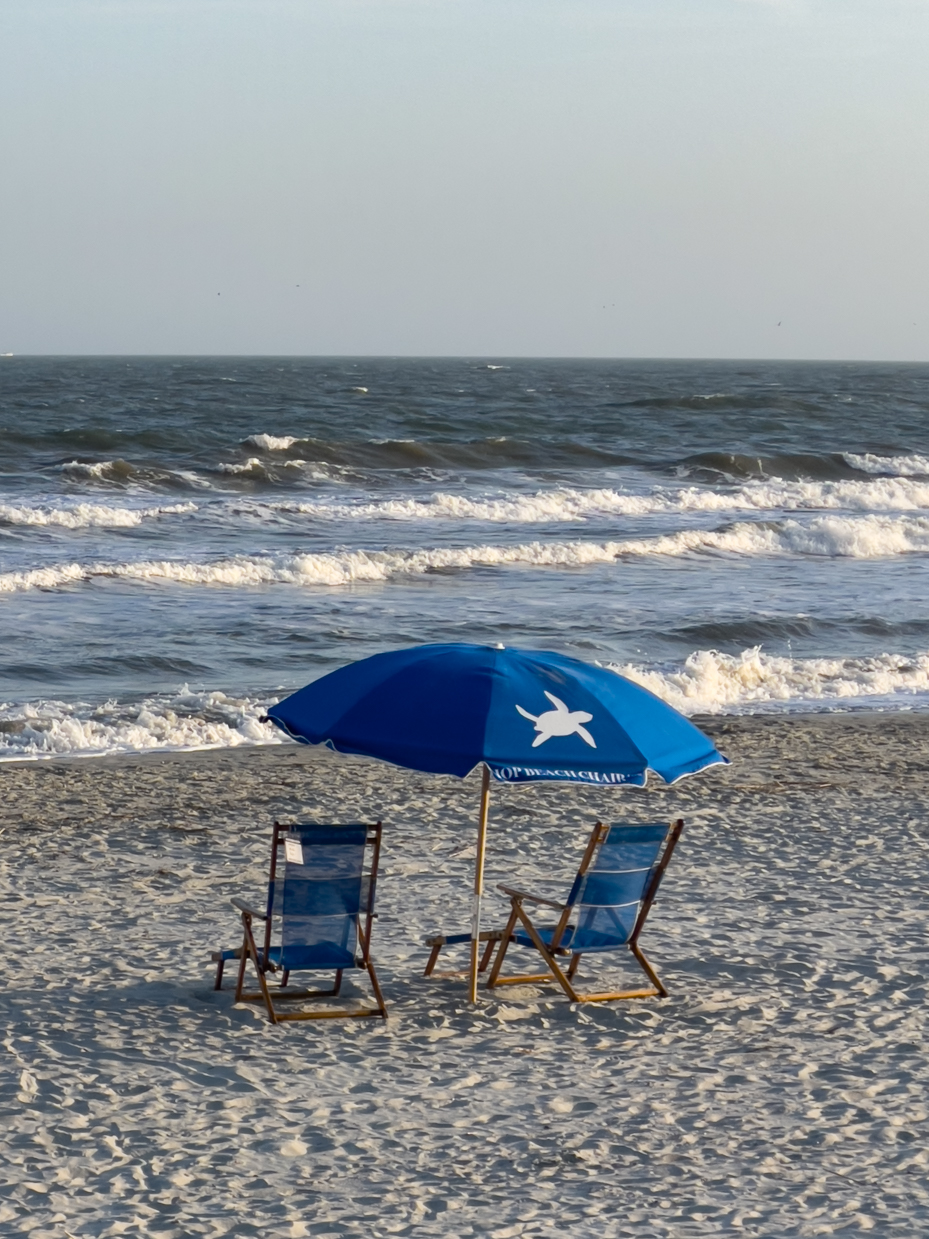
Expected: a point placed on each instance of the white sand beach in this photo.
(780, 1090)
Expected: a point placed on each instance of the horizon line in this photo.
(504, 357)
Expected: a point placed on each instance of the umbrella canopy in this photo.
(526, 714)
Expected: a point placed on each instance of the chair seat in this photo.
(545, 933)
(299, 957)
(520, 936)
(592, 941)
(275, 957)
(223, 956)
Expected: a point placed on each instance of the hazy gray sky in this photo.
(513, 177)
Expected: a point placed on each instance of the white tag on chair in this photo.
(293, 850)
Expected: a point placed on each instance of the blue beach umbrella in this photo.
(525, 715)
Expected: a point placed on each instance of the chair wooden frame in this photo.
(565, 976)
(263, 964)
(438, 941)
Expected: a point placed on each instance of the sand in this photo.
(781, 1089)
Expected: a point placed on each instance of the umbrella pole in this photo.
(479, 882)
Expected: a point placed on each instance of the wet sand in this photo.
(780, 1090)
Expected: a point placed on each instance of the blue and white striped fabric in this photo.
(319, 901)
(608, 896)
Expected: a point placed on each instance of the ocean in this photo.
(185, 540)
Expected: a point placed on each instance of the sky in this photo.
(609, 178)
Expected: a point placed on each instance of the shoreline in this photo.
(716, 726)
(864, 753)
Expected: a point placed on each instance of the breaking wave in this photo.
(86, 515)
(99, 470)
(491, 452)
(567, 504)
(899, 466)
(272, 443)
(828, 536)
(713, 683)
(299, 470)
(122, 473)
(189, 720)
(560, 505)
(708, 682)
(251, 468)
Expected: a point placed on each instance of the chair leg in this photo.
(240, 977)
(572, 967)
(433, 959)
(379, 997)
(545, 953)
(648, 969)
(251, 951)
(485, 958)
(218, 983)
(381, 1010)
(657, 990)
(501, 953)
(535, 978)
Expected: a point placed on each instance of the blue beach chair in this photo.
(318, 918)
(615, 887)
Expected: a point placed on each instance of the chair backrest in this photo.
(616, 884)
(317, 903)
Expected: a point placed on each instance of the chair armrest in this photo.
(248, 910)
(516, 894)
(486, 935)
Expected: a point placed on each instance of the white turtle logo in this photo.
(559, 722)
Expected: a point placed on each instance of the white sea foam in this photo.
(123, 473)
(255, 468)
(708, 682)
(855, 537)
(272, 443)
(566, 504)
(713, 683)
(828, 536)
(881, 494)
(327, 569)
(85, 515)
(193, 479)
(99, 470)
(252, 467)
(570, 505)
(902, 466)
(189, 720)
